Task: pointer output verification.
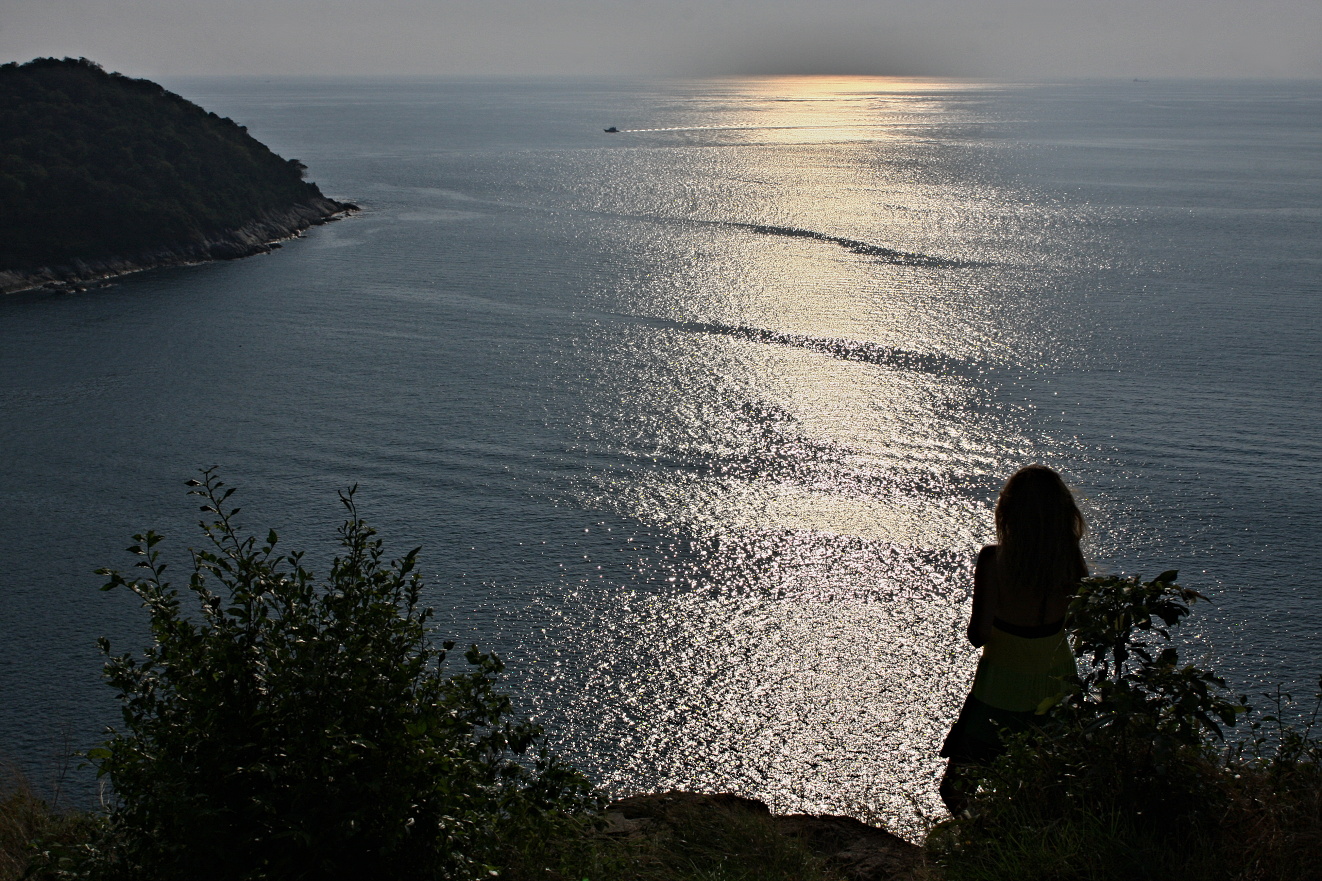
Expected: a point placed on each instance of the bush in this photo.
(291, 728)
(1127, 777)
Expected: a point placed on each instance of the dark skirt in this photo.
(975, 738)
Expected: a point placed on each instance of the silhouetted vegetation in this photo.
(26, 819)
(97, 165)
(281, 725)
(284, 726)
(1130, 775)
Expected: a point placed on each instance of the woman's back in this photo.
(998, 598)
(1024, 606)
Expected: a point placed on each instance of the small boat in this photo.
(611, 129)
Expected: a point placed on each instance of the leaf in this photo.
(1049, 702)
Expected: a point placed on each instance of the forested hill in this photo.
(101, 173)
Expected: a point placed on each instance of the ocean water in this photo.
(700, 423)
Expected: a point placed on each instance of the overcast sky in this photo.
(973, 38)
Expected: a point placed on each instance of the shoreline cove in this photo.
(261, 235)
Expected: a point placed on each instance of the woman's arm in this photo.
(984, 596)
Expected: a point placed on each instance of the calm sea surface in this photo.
(699, 424)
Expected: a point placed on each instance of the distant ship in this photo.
(611, 129)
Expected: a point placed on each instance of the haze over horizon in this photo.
(1025, 39)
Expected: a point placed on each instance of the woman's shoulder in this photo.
(984, 570)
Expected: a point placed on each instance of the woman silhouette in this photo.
(1022, 586)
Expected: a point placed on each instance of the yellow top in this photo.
(1022, 666)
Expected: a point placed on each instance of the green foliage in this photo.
(289, 727)
(1132, 735)
(96, 165)
(1137, 690)
(1127, 778)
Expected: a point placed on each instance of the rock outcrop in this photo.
(853, 849)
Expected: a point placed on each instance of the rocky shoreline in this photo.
(261, 235)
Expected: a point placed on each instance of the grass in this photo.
(1273, 821)
(1266, 826)
(1244, 820)
(27, 821)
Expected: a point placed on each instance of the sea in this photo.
(699, 423)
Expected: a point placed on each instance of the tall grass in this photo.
(689, 841)
(32, 832)
(1242, 821)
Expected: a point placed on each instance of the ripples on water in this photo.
(699, 423)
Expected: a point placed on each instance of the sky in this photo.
(994, 39)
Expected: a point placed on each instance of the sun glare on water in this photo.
(812, 414)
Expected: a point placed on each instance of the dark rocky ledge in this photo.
(854, 849)
(259, 236)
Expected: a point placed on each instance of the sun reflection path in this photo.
(816, 677)
(805, 647)
(808, 402)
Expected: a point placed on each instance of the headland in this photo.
(103, 175)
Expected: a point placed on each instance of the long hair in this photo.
(1038, 527)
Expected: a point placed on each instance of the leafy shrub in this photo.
(1149, 698)
(290, 727)
(1135, 732)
